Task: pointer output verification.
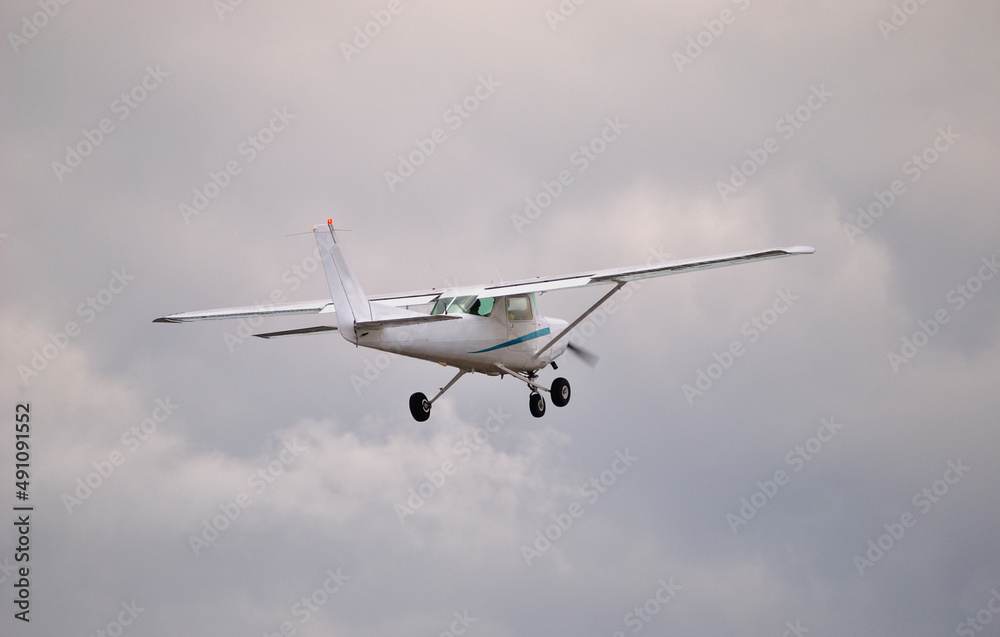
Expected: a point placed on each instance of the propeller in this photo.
(587, 356)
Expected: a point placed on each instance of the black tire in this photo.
(560, 392)
(536, 404)
(420, 407)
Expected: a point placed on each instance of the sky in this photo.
(799, 446)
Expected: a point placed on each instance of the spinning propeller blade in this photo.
(587, 356)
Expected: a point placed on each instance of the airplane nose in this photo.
(556, 327)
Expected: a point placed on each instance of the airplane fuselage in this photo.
(474, 343)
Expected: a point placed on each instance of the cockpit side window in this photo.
(519, 308)
(464, 305)
(482, 307)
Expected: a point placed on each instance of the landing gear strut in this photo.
(420, 407)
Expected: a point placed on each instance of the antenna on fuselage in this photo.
(495, 268)
(438, 276)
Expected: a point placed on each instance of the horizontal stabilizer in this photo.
(406, 320)
(385, 315)
(304, 330)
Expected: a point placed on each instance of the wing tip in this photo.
(165, 319)
(800, 250)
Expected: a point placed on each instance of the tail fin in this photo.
(349, 299)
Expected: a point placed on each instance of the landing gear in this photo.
(560, 392)
(420, 407)
(536, 404)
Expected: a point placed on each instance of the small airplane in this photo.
(492, 329)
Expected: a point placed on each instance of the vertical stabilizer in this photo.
(349, 299)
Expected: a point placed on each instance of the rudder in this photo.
(349, 300)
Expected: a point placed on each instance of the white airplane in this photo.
(491, 329)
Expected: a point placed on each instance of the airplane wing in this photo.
(305, 307)
(538, 284)
(324, 306)
(624, 275)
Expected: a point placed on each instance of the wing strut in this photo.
(565, 332)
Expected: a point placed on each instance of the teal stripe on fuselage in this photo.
(520, 339)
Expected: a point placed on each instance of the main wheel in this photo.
(536, 404)
(420, 407)
(560, 392)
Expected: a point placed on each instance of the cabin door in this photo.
(522, 323)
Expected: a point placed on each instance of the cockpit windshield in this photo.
(464, 305)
